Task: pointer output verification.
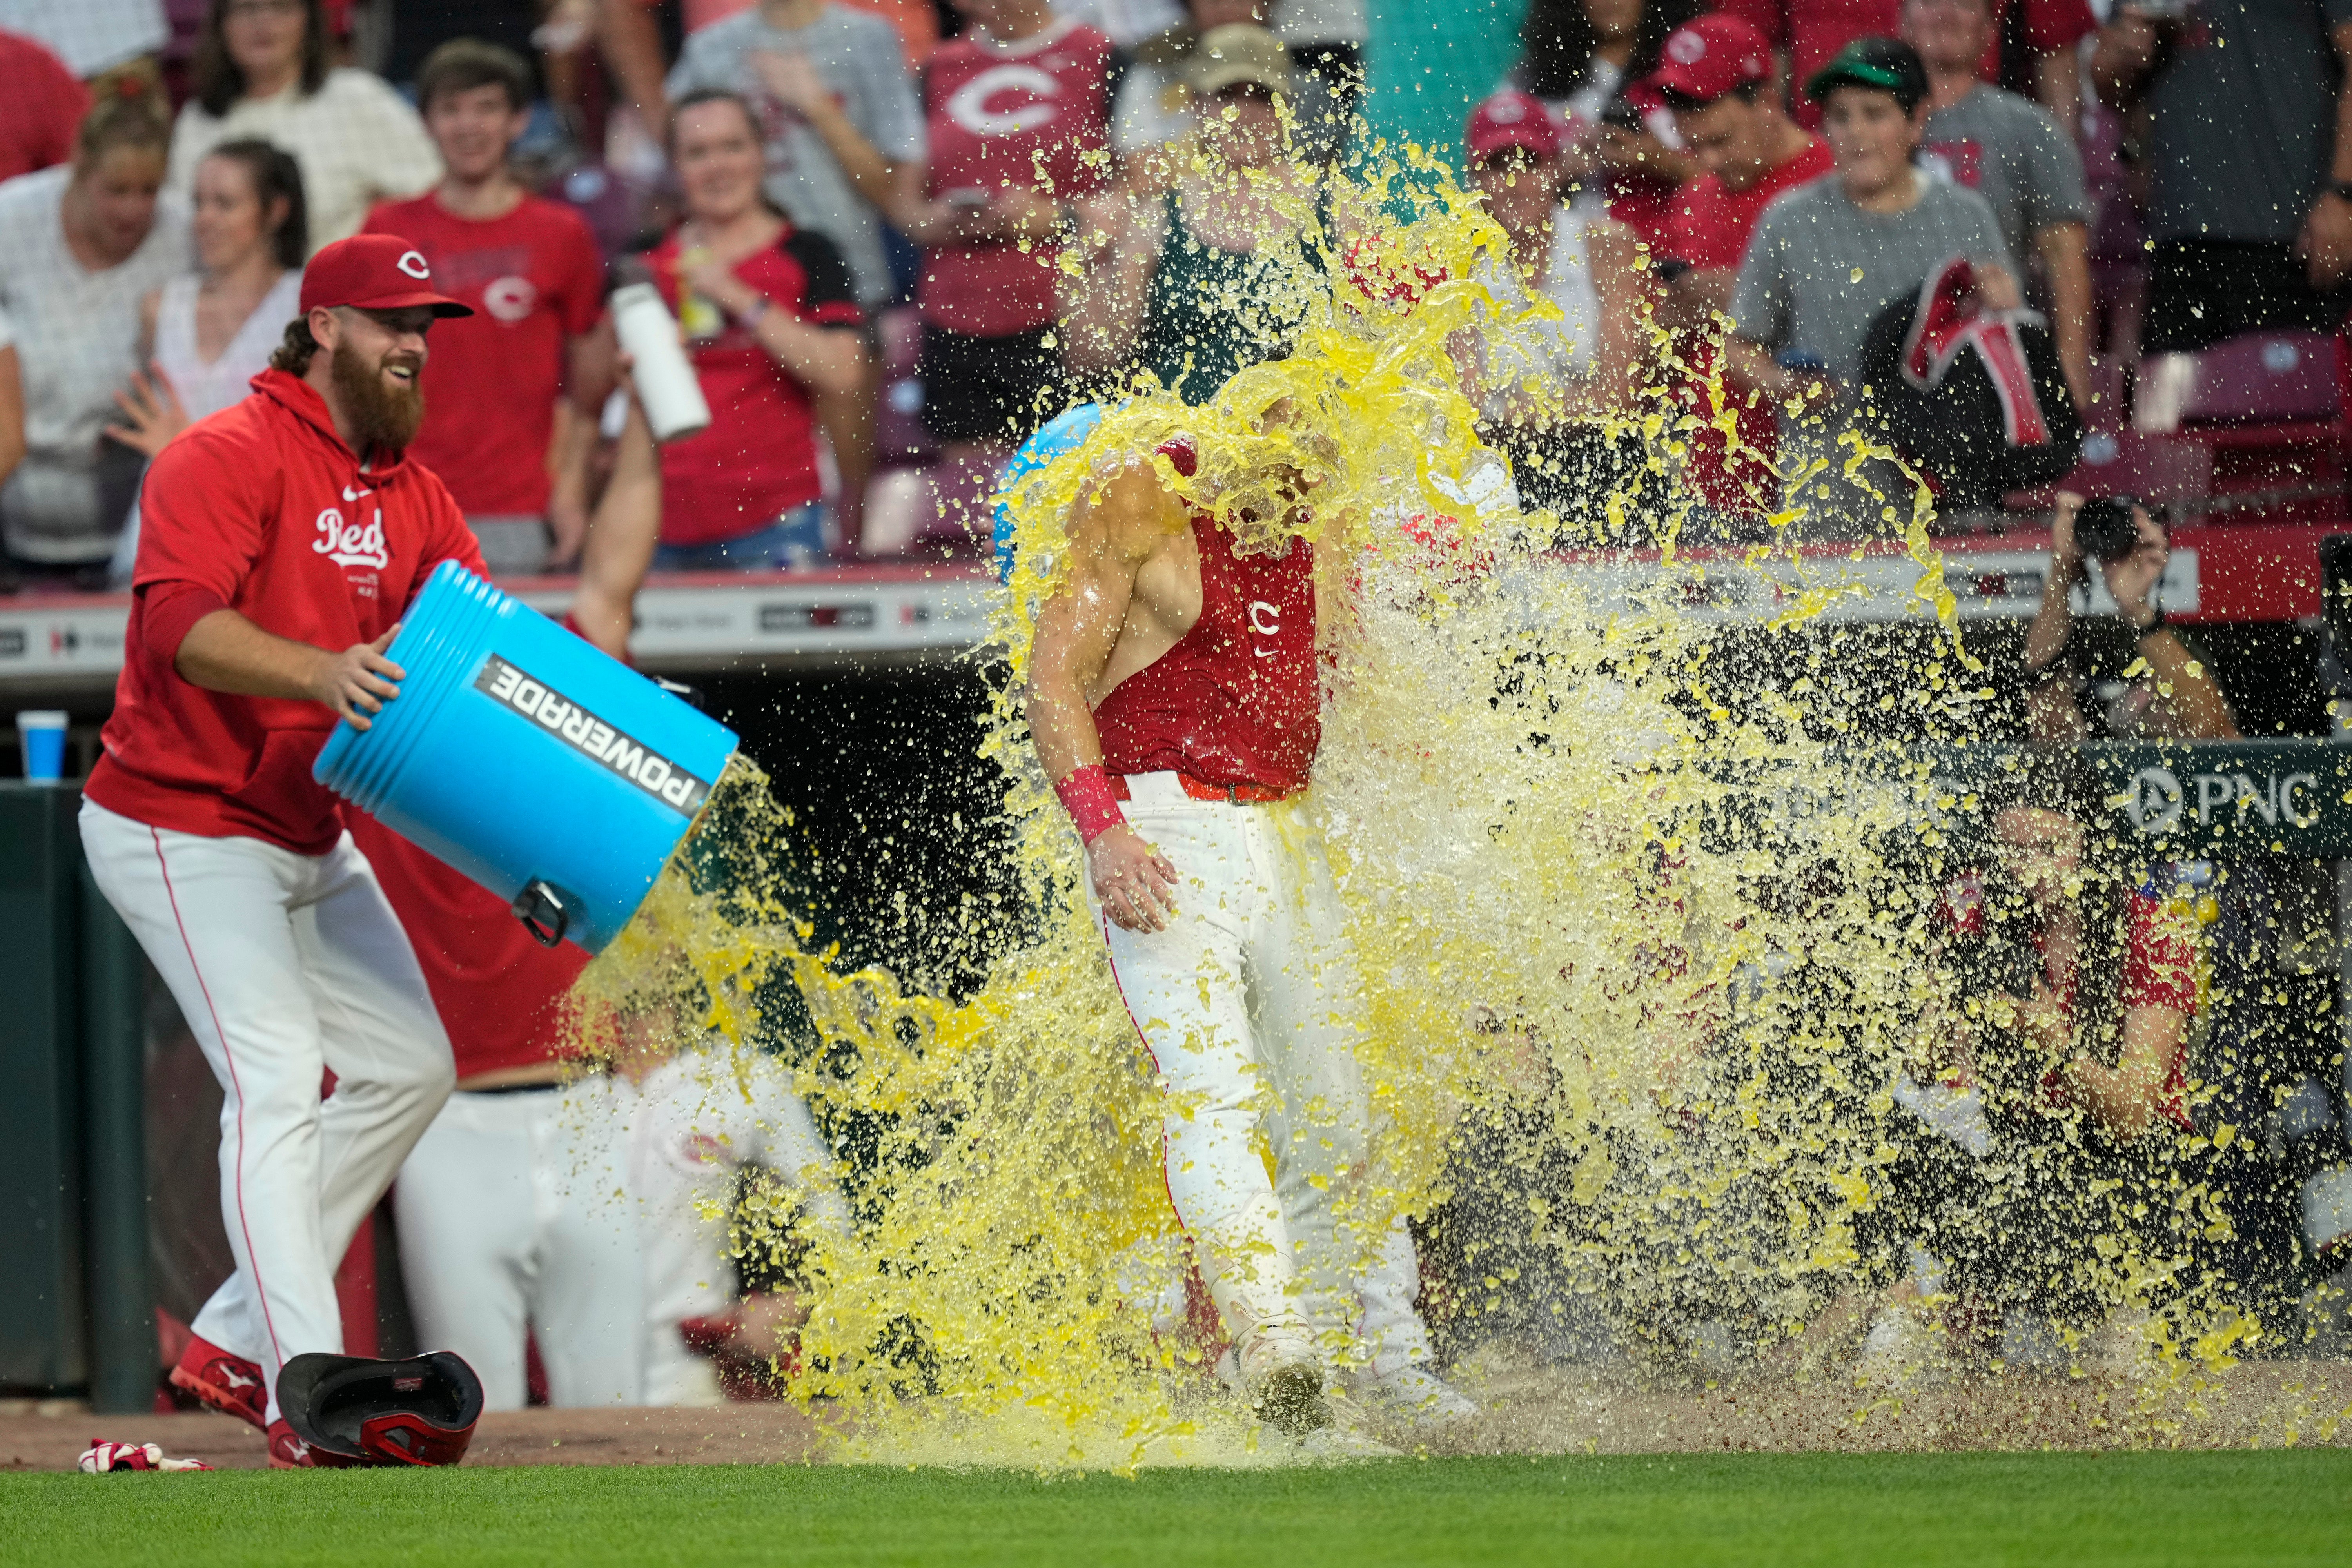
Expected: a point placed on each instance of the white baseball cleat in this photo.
(1413, 1395)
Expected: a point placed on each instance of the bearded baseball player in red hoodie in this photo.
(284, 538)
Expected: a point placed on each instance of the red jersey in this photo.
(2159, 971)
(495, 989)
(1010, 112)
(2050, 25)
(1236, 700)
(758, 459)
(1709, 227)
(261, 508)
(41, 110)
(1709, 223)
(535, 280)
(1812, 31)
(1642, 205)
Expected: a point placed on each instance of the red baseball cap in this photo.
(1511, 118)
(373, 272)
(1710, 56)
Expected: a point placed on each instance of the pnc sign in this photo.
(2294, 796)
(2158, 803)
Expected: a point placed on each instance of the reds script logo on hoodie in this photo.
(351, 543)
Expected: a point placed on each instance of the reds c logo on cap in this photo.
(373, 272)
(1505, 110)
(1686, 47)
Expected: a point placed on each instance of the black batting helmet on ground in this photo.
(352, 1411)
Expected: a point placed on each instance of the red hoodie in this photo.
(261, 508)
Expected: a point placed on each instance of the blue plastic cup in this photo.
(41, 733)
(551, 773)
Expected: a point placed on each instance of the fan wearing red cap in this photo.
(1714, 74)
(282, 539)
(1584, 262)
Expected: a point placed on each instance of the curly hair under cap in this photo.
(295, 350)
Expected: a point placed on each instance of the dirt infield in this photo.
(53, 1437)
(1529, 1410)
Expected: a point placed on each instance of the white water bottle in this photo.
(667, 384)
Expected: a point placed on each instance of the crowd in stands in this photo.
(985, 206)
(897, 235)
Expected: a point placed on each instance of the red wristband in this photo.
(1087, 796)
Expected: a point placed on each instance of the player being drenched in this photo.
(1174, 697)
(284, 537)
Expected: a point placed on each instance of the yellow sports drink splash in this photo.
(1646, 957)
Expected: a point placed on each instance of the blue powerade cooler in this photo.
(555, 776)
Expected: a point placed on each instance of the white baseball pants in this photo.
(697, 1125)
(284, 966)
(1248, 1003)
(514, 1217)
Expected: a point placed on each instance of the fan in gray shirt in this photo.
(2012, 153)
(1819, 268)
(2015, 155)
(856, 56)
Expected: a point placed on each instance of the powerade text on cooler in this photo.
(551, 773)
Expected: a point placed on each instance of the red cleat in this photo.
(288, 1452)
(226, 1383)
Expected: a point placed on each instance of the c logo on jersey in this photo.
(351, 543)
(510, 298)
(413, 263)
(1265, 620)
(968, 105)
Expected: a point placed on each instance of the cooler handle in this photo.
(545, 911)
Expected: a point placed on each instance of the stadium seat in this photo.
(2127, 462)
(900, 435)
(2254, 379)
(613, 208)
(899, 506)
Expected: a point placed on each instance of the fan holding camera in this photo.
(2149, 676)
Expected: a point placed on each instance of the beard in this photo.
(383, 418)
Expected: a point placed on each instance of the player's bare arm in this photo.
(226, 652)
(1133, 590)
(619, 550)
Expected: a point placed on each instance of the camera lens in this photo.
(2103, 527)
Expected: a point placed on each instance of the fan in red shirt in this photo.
(531, 271)
(769, 319)
(41, 110)
(1018, 112)
(282, 540)
(1715, 73)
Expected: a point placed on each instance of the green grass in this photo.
(1914, 1511)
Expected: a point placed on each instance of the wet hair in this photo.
(276, 177)
(128, 114)
(702, 96)
(461, 65)
(1559, 40)
(220, 82)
